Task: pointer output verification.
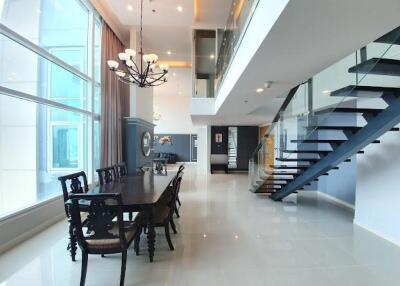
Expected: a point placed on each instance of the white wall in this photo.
(203, 149)
(378, 188)
(175, 115)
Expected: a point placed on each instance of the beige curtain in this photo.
(113, 101)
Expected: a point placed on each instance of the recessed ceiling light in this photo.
(179, 8)
(212, 56)
(326, 91)
(180, 92)
(129, 7)
(173, 74)
(259, 90)
(169, 53)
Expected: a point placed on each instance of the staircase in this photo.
(232, 148)
(325, 146)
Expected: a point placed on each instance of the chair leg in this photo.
(173, 226)
(72, 242)
(84, 268)
(103, 255)
(123, 267)
(178, 200)
(130, 215)
(177, 212)
(137, 241)
(168, 236)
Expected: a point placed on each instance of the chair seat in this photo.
(113, 243)
(160, 215)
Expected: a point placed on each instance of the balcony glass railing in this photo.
(315, 103)
(241, 12)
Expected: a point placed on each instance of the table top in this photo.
(160, 159)
(140, 190)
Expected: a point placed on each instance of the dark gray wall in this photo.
(180, 146)
(134, 130)
(219, 148)
(247, 141)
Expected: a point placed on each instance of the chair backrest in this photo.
(181, 168)
(168, 198)
(74, 183)
(99, 227)
(106, 175)
(121, 170)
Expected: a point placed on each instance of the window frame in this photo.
(85, 126)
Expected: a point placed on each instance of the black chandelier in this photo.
(144, 74)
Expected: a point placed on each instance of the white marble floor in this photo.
(227, 236)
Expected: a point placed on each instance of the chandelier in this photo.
(146, 73)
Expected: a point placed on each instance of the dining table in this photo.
(140, 193)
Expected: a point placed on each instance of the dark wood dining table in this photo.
(139, 194)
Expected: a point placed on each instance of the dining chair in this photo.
(102, 233)
(121, 170)
(180, 171)
(106, 175)
(77, 184)
(163, 214)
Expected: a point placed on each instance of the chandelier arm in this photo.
(129, 71)
(137, 68)
(146, 73)
(157, 84)
(157, 73)
(159, 78)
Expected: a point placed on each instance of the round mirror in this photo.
(146, 140)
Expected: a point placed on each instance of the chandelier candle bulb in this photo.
(120, 73)
(112, 64)
(123, 56)
(131, 53)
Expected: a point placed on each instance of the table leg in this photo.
(151, 235)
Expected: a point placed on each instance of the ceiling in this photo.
(168, 32)
(308, 36)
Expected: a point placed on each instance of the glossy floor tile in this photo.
(227, 236)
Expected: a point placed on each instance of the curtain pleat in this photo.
(113, 101)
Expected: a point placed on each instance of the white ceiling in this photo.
(309, 36)
(167, 29)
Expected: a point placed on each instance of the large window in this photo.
(49, 97)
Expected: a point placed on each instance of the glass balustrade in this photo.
(296, 131)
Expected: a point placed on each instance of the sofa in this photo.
(172, 158)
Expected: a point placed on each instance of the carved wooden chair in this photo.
(121, 170)
(106, 175)
(163, 214)
(101, 233)
(180, 171)
(77, 184)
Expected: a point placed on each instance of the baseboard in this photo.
(336, 200)
(44, 215)
(377, 233)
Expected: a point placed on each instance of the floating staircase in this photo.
(300, 172)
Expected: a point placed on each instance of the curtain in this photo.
(113, 101)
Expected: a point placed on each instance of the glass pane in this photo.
(35, 149)
(97, 50)
(25, 71)
(97, 99)
(96, 143)
(49, 23)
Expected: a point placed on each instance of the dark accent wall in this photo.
(247, 141)
(180, 146)
(134, 130)
(219, 148)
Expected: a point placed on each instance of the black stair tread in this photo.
(289, 167)
(302, 159)
(307, 151)
(318, 141)
(337, 141)
(345, 128)
(298, 159)
(360, 152)
(392, 37)
(378, 66)
(374, 111)
(363, 91)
